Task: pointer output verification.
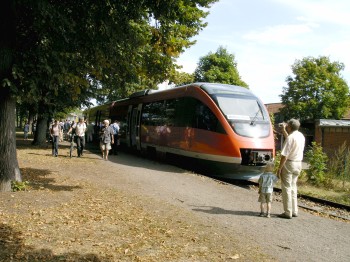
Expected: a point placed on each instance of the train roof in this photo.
(216, 88)
(210, 88)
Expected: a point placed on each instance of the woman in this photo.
(55, 134)
(106, 138)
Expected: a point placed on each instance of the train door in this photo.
(135, 127)
(128, 131)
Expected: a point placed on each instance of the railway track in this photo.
(311, 204)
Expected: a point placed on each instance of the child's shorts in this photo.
(105, 146)
(265, 197)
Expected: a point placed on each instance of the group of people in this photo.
(78, 129)
(288, 172)
(80, 133)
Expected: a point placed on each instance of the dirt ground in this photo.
(72, 211)
(132, 209)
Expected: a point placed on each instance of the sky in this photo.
(268, 36)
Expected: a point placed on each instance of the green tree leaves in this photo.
(219, 67)
(316, 90)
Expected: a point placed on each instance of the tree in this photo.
(218, 67)
(50, 51)
(180, 78)
(317, 90)
(9, 169)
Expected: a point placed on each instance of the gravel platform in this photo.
(232, 209)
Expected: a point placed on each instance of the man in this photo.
(79, 128)
(290, 167)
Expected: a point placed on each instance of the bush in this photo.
(339, 165)
(19, 186)
(317, 164)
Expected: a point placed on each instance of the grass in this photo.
(338, 193)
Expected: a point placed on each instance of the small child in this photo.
(266, 182)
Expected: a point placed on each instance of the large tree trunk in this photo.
(9, 170)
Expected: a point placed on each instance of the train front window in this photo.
(240, 108)
(245, 114)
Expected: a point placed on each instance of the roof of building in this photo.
(334, 123)
(274, 107)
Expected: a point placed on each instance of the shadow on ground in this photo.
(39, 179)
(13, 248)
(221, 211)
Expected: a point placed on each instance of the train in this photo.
(222, 130)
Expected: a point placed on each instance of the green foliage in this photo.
(317, 160)
(277, 161)
(339, 166)
(218, 67)
(19, 186)
(316, 90)
(180, 78)
(69, 52)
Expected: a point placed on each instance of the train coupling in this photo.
(253, 157)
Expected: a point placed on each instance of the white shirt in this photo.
(293, 147)
(80, 129)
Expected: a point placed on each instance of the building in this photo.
(329, 133)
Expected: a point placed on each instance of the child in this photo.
(266, 182)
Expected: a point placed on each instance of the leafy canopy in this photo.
(218, 67)
(70, 51)
(317, 90)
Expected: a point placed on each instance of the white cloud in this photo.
(280, 34)
(336, 12)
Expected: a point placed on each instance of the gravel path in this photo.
(231, 209)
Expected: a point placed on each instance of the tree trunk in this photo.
(40, 136)
(9, 170)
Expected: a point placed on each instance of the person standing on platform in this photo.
(266, 182)
(290, 167)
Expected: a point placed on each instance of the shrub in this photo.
(317, 164)
(339, 165)
(19, 186)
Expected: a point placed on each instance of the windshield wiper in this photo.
(255, 117)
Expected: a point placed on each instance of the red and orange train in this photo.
(223, 130)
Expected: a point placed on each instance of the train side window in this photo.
(193, 113)
(181, 112)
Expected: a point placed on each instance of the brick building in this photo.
(331, 134)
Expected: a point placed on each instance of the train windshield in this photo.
(245, 114)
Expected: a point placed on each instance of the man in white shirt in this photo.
(80, 128)
(290, 167)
